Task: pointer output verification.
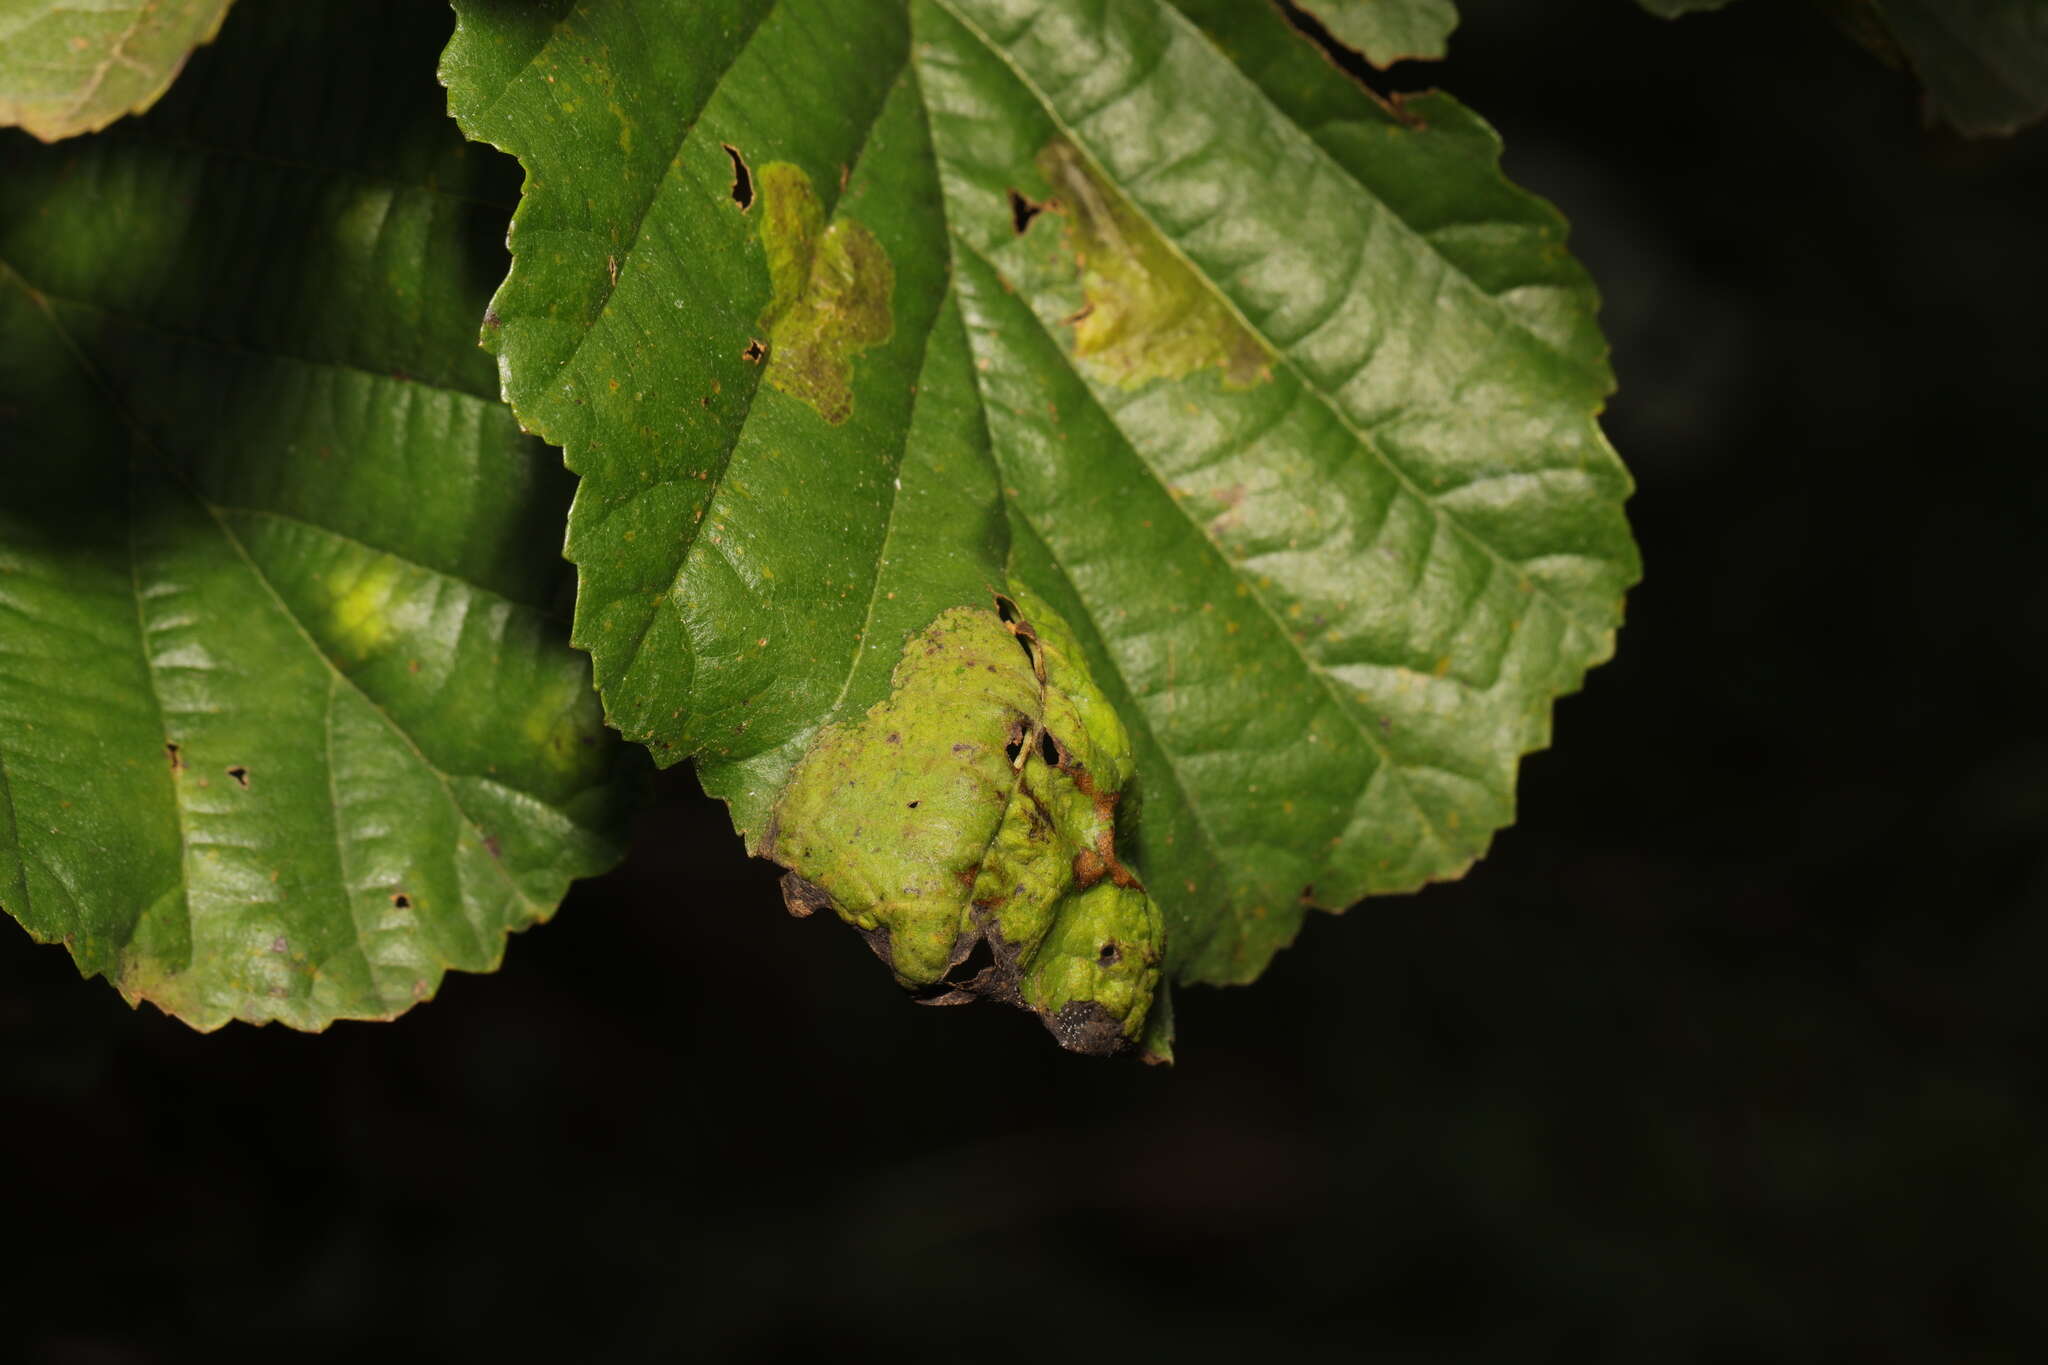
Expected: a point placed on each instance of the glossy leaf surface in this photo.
(288, 722)
(68, 68)
(1285, 405)
(1388, 31)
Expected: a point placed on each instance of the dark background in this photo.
(1732, 1049)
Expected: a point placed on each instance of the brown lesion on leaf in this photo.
(177, 759)
(804, 898)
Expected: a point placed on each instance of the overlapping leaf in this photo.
(1388, 31)
(68, 68)
(287, 723)
(1284, 404)
(1984, 62)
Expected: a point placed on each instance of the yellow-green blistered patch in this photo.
(831, 293)
(967, 825)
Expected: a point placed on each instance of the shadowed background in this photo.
(1730, 1051)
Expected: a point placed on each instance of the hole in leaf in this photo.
(1350, 62)
(1108, 954)
(402, 901)
(978, 960)
(241, 775)
(742, 181)
(913, 805)
(1048, 749)
(1006, 610)
(754, 352)
(1022, 212)
(1015, 746)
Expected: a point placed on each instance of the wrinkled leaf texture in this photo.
(68, 68)
(288, 722)
(1332, 583)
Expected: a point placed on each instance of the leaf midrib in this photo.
(1344, 705)
(690, 536)
(335, 672)
(1407, 483)
(175, 334)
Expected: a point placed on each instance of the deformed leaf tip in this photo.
(966, 827)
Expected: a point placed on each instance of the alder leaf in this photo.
(69, 68)
(857, 315)
(1388, 31)
(288, 724)
(1984, 62)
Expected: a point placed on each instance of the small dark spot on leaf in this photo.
(401, 900)
(491, 318)
(742, 180)
(241, 775)
(963, 748)
(913, 805)
(895, 738)
(177, 763)
(755, 352)
(1022, 211)
(491, 846)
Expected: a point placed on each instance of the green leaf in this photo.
(1388, 31)
(288, 725)
(67, 68)
(1279, 406)
(1984, 62)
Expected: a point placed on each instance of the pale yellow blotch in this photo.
(359, 617)
(830, 293)
(1145, 313)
